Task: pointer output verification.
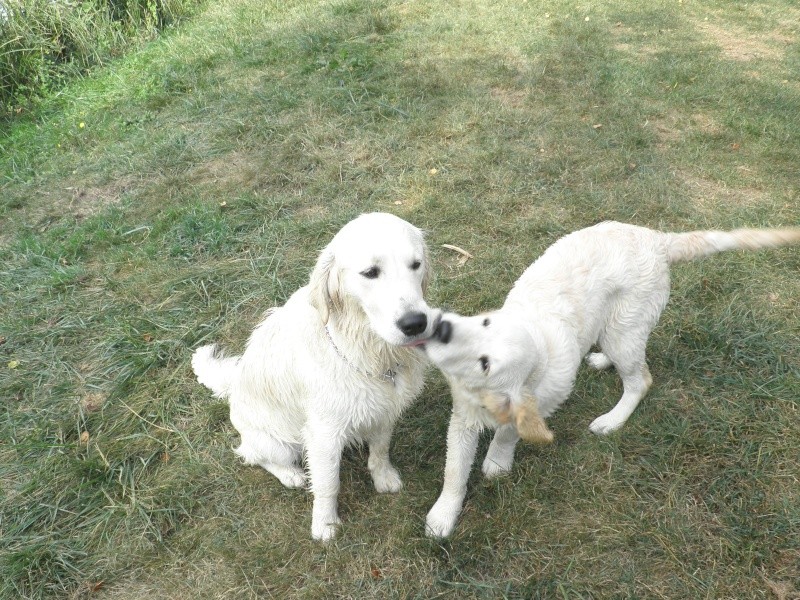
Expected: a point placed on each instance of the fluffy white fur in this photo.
(603, 285)
(293, 392)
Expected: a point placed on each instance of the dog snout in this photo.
(443, 331)
(413, 323)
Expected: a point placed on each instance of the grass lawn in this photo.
(169, 199)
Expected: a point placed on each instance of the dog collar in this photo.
(388, 375)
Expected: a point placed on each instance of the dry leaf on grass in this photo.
(465, 256)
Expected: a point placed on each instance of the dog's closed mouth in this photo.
(416, 343)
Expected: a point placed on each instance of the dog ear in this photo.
(324, 285)
(426, 263)
(530, 424)
(525, 413)
(497, 404)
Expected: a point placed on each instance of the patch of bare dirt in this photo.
(709, 194)
(83, 200)
(639, 48)
(741, 45)
(77, 198)
(512, 98)
(235, 169)
(674, 127)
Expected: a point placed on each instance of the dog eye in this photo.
(484, 363)
(415, 265)
(486, 322)
(371, 273)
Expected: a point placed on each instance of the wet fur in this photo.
(605, 285)
(292, 394)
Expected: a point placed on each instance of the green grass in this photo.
(214, 163)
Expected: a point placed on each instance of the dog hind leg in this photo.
(624, 343)
(625, 349)
(635, 382)
(599, 361)
(279, 458)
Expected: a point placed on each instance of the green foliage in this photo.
(44, 43)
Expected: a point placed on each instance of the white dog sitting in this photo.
(332, 366)
(511, 368)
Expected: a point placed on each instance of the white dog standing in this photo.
(511, 368)
(331, 366)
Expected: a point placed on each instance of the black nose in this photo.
(412, 323)
(444, 331)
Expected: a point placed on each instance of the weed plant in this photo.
(44, 43)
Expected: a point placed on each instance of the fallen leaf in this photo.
(223, 204)
(165, 457)
(13, 364)
(735, 146)
(94, 586)
(147, 337)
(433, 171)
(92, 402)
(84, 437)
(376, 573)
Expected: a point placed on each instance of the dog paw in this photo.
(605, 424)
(290, 477)
(439, 528)
(599, 361)
(323, 532)
(494, 468)
(441, 521)
(387, 480)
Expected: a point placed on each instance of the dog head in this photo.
(378, 266)
(494, 356)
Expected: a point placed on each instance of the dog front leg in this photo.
(324, 455)
(384, 475)
(500, 455)
(462, 444)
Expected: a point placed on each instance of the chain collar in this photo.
(388, 375)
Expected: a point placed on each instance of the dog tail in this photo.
(214, 370)
(696, 244)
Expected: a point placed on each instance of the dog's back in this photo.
(613, 278)
(593, 275)
(593, 265)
